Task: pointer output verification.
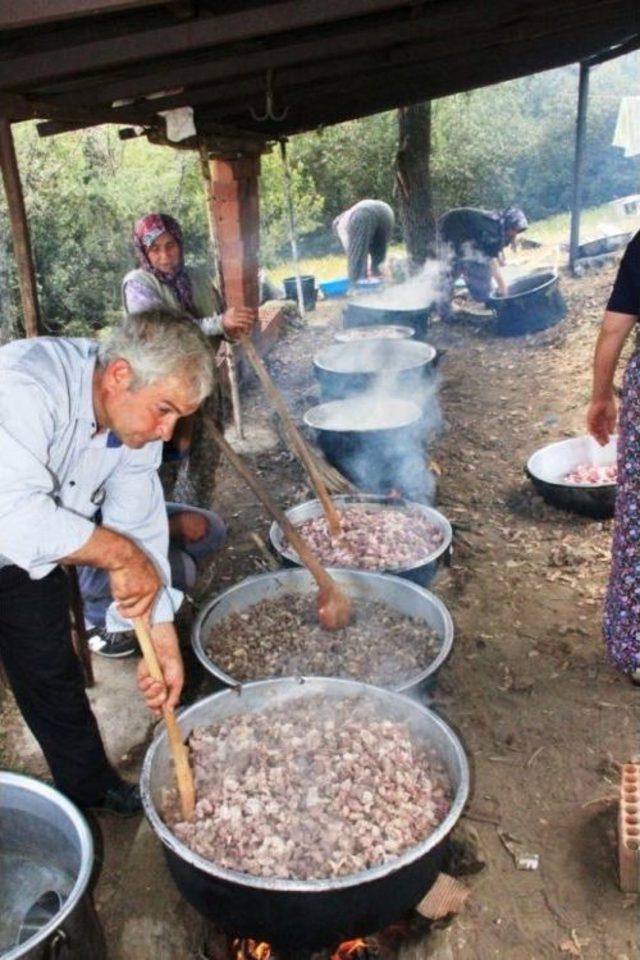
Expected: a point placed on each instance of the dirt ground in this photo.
(544, 719)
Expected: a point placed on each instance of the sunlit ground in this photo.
(551, 233)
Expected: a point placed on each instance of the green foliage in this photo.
(274, 211)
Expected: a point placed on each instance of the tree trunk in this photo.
(413, 181)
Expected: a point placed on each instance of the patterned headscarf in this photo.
(145, 233)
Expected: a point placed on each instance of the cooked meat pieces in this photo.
(313, 788)
(373, 540)
(282, 637)
(592, 475)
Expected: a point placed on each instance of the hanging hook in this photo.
(270, 113)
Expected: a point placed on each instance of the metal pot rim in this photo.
(412, 409)
(406, 332)
(429, 354)
(307, 886)
(31, 785)
(552, 276)
(295, 573)
(345, 500)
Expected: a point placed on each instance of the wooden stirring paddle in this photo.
(179, 752)
(300, 448)
(334, 607)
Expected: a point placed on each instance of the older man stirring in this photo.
(81, 427)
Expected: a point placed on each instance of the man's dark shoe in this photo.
(115, 645)
(123, 800)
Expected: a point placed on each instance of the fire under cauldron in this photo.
(293, 914)
(421, 572)
(532, 303)
(379, 443)
(398, 594)
(396, 368)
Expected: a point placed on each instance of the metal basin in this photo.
(421, 572)
(46, 860)
(378, 442)
(375, 332)
(296, 913)
(533, 303)
(407, 304)
(400, 595)
(391, 368)
(548, 467)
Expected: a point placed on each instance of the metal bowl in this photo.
(400, 595)
(422, 571)
(46, 860)
(548, 467)
(296, 913)
(390, 331)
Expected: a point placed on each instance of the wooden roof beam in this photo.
(17, 14)
(343, 40)
(393, 88)
(283, 16)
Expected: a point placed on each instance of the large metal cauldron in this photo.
(532, 303)
(383, 309)
(394, 368)
(312, 913)
(46, 859)
(548, 467)
(421, 572)
(398, 594)
(377, 442)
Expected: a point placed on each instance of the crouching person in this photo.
(81, 430)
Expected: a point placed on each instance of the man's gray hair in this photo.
(159, 344)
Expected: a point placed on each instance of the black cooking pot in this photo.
(359, 314)
(396, 368)
(532, 303)
(311, 913)
(548, 468)
(377, 443)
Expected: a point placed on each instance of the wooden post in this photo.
(229, 348)
(236, 213)
(19, 230)
(578, 164)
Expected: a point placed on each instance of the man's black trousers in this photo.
(47, 682)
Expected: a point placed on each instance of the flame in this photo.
(251, 949)
(348, 948)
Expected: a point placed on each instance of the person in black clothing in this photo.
(621, 620)
(474, 240)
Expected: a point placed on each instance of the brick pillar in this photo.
(236, 214)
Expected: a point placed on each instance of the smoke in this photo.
(425, 289)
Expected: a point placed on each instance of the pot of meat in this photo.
(267, 626)
(383, 534)
(323, 808)
(390, 368)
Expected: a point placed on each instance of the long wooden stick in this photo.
(179, 752)
(341, 606)
(300, 448)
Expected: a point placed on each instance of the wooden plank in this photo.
(496, 28)
(335, 42)
(389, 89)
(270, 19)
(15, 14)
(19, 231)
(16, 107)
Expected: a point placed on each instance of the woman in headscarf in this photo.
(162, 280)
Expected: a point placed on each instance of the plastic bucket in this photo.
(309, 292)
